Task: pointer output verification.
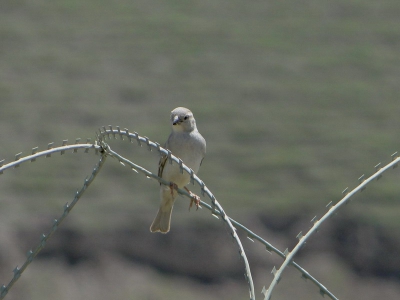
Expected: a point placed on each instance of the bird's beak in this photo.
(176, 120)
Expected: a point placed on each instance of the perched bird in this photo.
(185, 142)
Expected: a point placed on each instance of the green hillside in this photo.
(296, 99)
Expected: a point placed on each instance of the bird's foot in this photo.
(194, 199)
(172, 187)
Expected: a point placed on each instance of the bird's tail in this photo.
(162, 222)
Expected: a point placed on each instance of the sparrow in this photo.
(185, 142)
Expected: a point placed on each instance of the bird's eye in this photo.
(186, 117)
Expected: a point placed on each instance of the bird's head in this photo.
(182, 119)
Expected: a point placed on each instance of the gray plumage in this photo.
(185, 142)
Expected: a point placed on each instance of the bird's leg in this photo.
(172, 187)
(194, 199)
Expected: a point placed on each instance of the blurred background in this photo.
(296, 99)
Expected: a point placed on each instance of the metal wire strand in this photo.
(31, 254)
(215, 208)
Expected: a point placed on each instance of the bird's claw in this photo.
(194, 199)
(173, 186)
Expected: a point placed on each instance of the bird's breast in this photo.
(191, 151)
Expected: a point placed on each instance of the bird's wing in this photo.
(161, 165)
(162, 162)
